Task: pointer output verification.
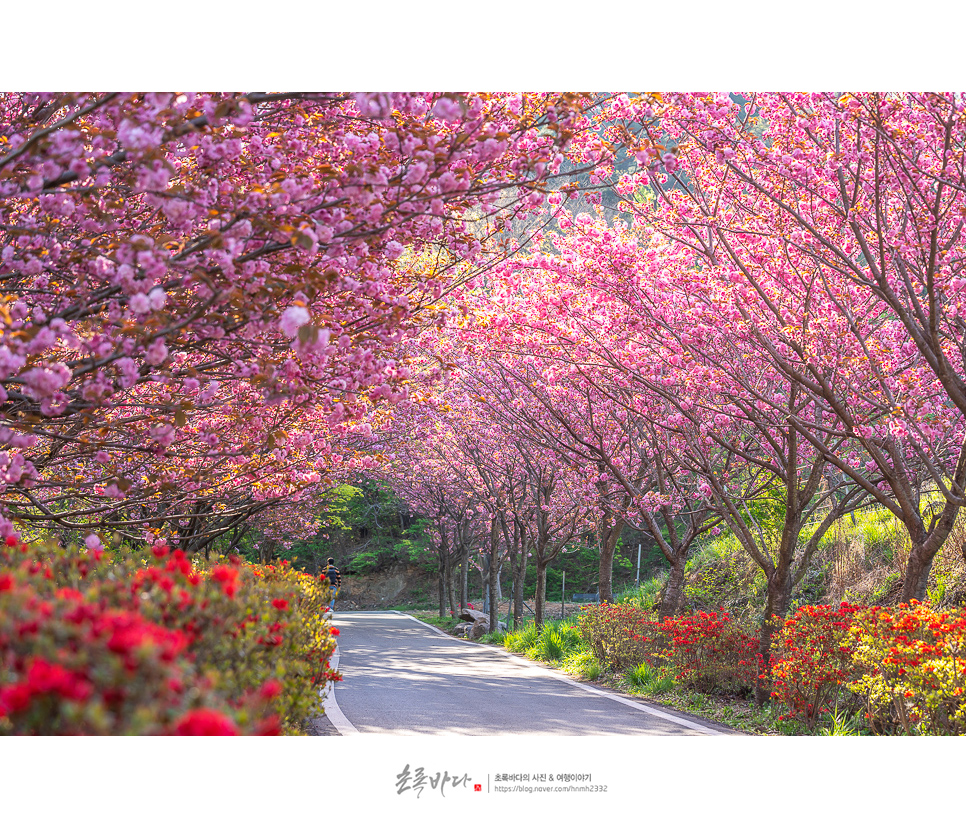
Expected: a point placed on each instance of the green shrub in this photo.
(548, 647)
(644, 595)
(495, 637)
(620, 636)
(554, 642)
(363, 563)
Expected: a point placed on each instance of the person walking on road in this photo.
(334, 577)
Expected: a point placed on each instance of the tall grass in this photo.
(522, 640)
(556, 641)
(645, 594)
(648, 680)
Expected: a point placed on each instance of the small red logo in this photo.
(477, 787)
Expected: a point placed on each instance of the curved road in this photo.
(404, 677)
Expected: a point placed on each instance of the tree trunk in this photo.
(519, 578)
(464, 578)
(266, 549)
(779, 592)
(608, 543)
(494, 583)
(442, 550)
(492, 588)
(450, 590)
(674, 590)
(442, 593)
(921, 557)
(540, 596)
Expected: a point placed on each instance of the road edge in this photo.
(330, 707)
(594, 690)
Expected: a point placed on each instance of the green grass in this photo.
(522, 640)
(844, 724)
(444, 623)
(876, 528)
(644, 595)
(649, 681)
(554, 642)
(583, 665)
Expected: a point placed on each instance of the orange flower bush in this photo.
(910, 667)
(94, 646)
(907, 663)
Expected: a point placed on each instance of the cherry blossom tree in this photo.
(157, 251)
(810, 239)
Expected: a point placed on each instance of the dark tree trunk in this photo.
(921, 557)
(778, 597)
(540, 597)
(493, 593)
(266, 550)
(442, 594)
(519, 578)
(450, 590)
(608, 544)
(494, 577)
(443, 552)
(674, 590)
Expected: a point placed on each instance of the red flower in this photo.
(205, 722)
(270, 689)
(270, 726)
(63, 593)
(14, 698)
(334, 632)
(227, 577)
(280, 604)
(44, 677)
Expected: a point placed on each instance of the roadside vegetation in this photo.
(849, 659)
(153, 643)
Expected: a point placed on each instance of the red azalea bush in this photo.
(620, 636)
(812, 660)
(709, 652)
(91, 646)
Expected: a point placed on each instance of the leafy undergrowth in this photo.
(433, 619)
(738, 713)
(577, 661)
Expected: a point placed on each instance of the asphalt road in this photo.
(403, 677)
